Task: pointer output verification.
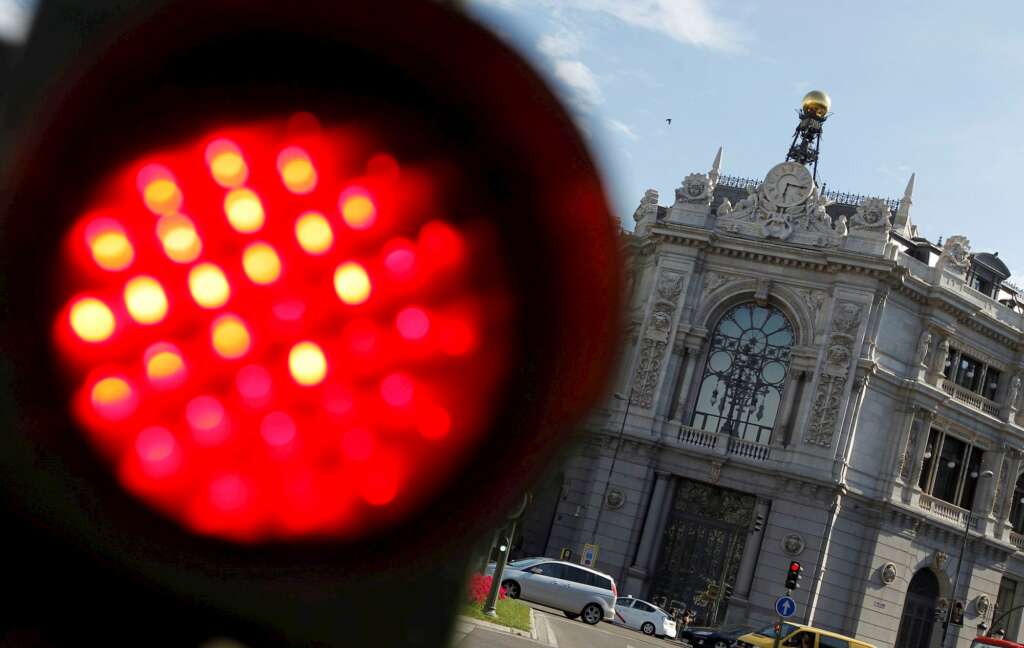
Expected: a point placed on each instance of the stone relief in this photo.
(825, 410)
(887, 573)
(981, 605)
(616, 498)
(715, 472)
(648, 208)
(846, 317)
(903, 469)
(715, 280)
(670, 284)
(661, 318)
(814, 299)
(955, 254)
(939, 560)
(793, 544)
(655, 337)
(873, 214)
(1013, 391)
(697, 188)
(647, 371)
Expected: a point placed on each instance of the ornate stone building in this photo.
(805, 377)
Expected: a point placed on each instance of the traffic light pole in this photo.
(956, 578)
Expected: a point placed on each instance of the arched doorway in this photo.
(918, 619)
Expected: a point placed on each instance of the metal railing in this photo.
(839, 197)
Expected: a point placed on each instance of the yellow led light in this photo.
(261, 263)
(109, 245)
(296, 169)
(145, 299)
(307, 363)
(162, 196)
(314, 233)
(230, 337)
(208, 285)
(352, 283)
(91, 320)
(110, 391)
(358, 211)
(244, 210)
(227, 166)
(179, 238)
(163, 361)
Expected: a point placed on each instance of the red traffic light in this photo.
(271, 334)
(794, 567)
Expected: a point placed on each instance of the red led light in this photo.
(267, 343)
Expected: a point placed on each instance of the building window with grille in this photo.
(951, 468)
(745, 373)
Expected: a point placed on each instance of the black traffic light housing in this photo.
(956, 613)
(793, 575)
(102, 80)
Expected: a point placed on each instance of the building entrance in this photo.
(918, 618)
(704, 537)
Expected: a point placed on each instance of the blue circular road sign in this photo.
(785, 606)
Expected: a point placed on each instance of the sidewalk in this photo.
(540, 632)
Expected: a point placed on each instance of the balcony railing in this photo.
(945, 510)
(724, 444)
(964, 395)
(1017, 540)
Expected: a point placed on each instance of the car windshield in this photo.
(769, 631)
(523, 563)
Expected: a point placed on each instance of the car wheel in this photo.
(571, 615)
(721, 644)
(592, 614)
(511, 589)
(647, 628)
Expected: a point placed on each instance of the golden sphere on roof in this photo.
(817, 103)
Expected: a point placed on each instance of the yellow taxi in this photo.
(799, 636)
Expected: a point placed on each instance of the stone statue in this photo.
(922, 348)
(1014, 391)
(725, 207)
(841, 228)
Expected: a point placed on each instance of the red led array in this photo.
(276, 332)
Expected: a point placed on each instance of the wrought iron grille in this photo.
(745, 372)
(838, 197)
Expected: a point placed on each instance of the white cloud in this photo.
(690, 22)
(625, 129)
(561, 45)
(15, 20)
(581, 80)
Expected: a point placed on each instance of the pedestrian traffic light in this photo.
(728, 590)
(758, 523)
(270, 274)
(956, 613)
(941, 613)
(793, 576)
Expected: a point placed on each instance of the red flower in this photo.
(479, 587)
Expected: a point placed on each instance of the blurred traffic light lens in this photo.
(274, 335)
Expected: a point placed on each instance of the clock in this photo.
(788, 184)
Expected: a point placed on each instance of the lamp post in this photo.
(615, 457)
(986, 474)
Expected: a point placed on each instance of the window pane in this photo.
(947, 370)
(947, 473)
(576, 575)
(554, 570)
(643, 607)
(991, 384)
(831, 642)
(971, 478)
(929, 459)
(745, 373)
(969, 373)
(1007, 593)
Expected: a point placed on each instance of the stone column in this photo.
(691, 354)
(908, 438)
(786, 408)
(745, 572)
(917, 459)
(984, 498)
(692, 388)
(636, 577)
(1008, 485)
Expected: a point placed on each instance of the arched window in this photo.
(741, 388)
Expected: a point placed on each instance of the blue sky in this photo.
(933, 88)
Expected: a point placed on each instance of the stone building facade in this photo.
(805, 377)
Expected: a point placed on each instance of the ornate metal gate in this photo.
(701, 548)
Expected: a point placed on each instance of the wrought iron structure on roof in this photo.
(839, 197)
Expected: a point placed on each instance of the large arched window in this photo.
(745, 372)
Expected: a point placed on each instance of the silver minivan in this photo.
(580, 592)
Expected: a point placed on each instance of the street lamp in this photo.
(985, 474)
(615, 457)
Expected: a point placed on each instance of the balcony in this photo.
(966, 396)
(1017, 540)
(943, 510)
(722, 444)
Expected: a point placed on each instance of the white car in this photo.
(579, 592)
(645, 617)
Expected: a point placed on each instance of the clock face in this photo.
(788, 184)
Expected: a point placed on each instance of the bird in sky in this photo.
(669, 121)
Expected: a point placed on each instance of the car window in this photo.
(769, 631)
(577, 575)
(523, 563)
(832, 642)
(599, 581)
(554, 570)
(624, 601)
(644, 607)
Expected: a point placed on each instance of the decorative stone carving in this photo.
(846, 317)
(648, 209)
(955, 254)
(715, 472)
(916, 460)
(923, 345)
(724, 207)
(1013, 391)
(661, 317)
(670, 284)
(839, 353)
(616, 498)
(793, 544)
(814, 299)
(903, 470)
(941, 353)
(648, 369)
(939, 560)
(715, 280)
(825, 410)
(1004, 476)
(981, 605)
(872, 215)
(842, 229)
(887, 573)
(697, 188)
